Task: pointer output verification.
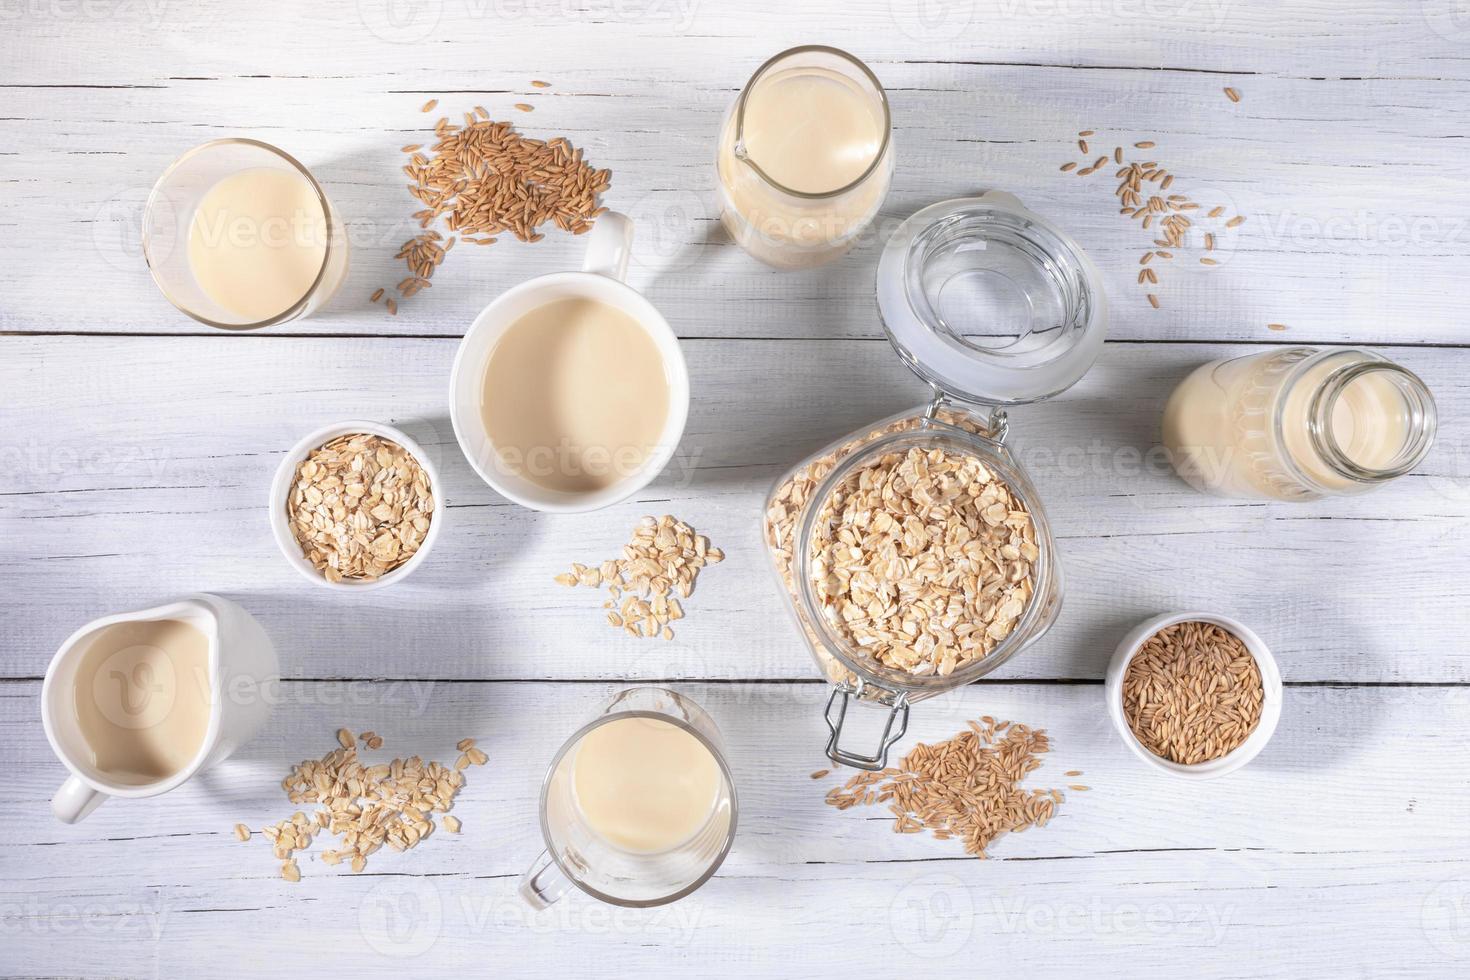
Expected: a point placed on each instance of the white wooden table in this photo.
(137, 449)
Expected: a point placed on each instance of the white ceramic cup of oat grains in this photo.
(285, 479)
(569, 392)
(1271, 690)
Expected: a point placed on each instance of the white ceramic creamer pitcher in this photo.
(241, 675)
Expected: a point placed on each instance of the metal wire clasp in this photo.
(996, 425)
(898, 712)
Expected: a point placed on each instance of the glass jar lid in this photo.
(990, 303)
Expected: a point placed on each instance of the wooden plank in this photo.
(1356, 229)
(136, 468)
(1354, 812)
(103, 44)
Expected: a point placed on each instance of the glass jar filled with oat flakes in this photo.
(914, 553)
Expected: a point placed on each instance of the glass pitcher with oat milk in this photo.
(805, 157)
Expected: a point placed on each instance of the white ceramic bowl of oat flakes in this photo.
(1271, 690)
(281, 489)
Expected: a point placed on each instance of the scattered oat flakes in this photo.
(451, 823)
(664, 556)
(1232, 95)
(525, 106)
(465, 744)
(242, 832)
(820, 773)
(537, 83)
(429, 106)
(365, 806)
(1275, 326)
(360, 507)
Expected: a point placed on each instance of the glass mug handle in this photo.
(544, 883)
(608, 246)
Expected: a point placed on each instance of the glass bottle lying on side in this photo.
(1298, 424)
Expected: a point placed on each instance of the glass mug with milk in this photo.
(805, 157)
(1298, 424)
(569, 391)
(136, 704)
(638, 808)
(239, 235)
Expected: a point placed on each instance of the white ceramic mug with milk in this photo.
(569, 392)
(136, 704)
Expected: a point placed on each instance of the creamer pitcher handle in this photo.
(544, 883)
(75, 800)
(608, 246)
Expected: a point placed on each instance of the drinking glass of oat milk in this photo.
(638, 808)
(239, 235)
(569, 392)
(805, 157)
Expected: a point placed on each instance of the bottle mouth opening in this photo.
(862, 74)
(1372, 421)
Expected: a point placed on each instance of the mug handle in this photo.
(543, 884)
(608, 245)
(75, 800)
